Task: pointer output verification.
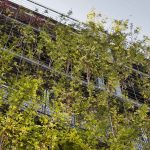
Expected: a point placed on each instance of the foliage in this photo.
(77, 114)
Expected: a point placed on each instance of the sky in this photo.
(137, 11)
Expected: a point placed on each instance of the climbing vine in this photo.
(58, 90)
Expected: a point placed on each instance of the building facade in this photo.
(13, 19)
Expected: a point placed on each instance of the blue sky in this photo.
(137, 11)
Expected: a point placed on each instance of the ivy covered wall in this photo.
(83, 88)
